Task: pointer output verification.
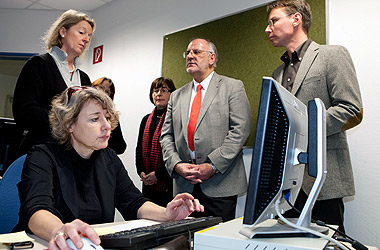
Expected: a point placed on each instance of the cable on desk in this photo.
(308, 230)
(342, 236)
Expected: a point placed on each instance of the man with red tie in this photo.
(207, 123)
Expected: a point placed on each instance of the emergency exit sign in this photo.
(98, 54)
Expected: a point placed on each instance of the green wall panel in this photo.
(245, 51)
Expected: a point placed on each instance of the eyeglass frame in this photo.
(74, 89)
(195, 52)
(271, 23)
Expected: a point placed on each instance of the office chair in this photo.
(9, 199)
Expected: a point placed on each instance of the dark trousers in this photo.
(329, 211)
(215, 206)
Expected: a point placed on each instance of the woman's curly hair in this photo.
(66, 107)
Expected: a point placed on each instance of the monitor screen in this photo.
(10, 138)
(281, 143)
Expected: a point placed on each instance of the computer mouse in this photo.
(87, 245)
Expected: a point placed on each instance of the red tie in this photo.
(195, 107)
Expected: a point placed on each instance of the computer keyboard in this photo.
(155, 235)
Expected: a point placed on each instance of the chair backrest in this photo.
(9, 199)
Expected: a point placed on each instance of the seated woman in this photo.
(76, 180)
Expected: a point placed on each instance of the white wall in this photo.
(352, 24)
(131, 32)
(21, 30)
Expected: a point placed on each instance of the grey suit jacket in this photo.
(223, 127)
(327, 72)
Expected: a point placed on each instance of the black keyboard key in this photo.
(154, 235)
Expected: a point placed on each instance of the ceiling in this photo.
(60, 5)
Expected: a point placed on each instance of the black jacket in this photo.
(47, 182)
(37, 84)
(116, 141)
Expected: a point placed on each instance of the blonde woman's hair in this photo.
(67, 19)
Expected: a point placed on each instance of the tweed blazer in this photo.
(327, 72)
(222, 128)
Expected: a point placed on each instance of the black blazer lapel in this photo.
(60, 84)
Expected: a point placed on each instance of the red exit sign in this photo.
(98, 54)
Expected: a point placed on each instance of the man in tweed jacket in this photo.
(327, 72)
(213, 171)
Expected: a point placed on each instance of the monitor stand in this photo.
(280, 230)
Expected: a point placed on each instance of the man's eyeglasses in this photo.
(163, 90)
(73, 89)
(272, 21)
(195, 52)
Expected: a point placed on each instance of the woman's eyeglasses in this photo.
(163, 90)
(73, 89)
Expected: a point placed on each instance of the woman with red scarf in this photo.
(157, 184)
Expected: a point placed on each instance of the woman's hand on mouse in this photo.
(73, 230)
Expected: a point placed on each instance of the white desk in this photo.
(226, 236)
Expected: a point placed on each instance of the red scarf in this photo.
(152, 153)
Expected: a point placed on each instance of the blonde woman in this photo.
(44, 76)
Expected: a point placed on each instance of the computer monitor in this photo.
(10, 138)
(286, 139)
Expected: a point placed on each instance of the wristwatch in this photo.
(214, 168)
